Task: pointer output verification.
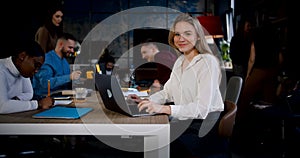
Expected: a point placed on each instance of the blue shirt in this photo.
(55, 69)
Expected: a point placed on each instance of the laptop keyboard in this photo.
(134, 108)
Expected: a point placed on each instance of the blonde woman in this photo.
(194, 82)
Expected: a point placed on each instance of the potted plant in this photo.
(225, 46)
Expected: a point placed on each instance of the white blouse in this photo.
(195, 90)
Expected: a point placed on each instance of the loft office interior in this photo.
(81, 16)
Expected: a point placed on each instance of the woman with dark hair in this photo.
(15, 73)
(240, 47)
(263, 68)
(47, 34)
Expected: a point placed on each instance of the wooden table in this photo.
(99, 122)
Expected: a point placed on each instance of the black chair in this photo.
(233, 88)
(217, 141)
(226, 125)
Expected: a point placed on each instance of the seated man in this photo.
(56, 68)
(163, 61)
(106, 63)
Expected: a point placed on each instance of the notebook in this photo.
(62, 112)
(113, 97)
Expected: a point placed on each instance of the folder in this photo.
(62, 112)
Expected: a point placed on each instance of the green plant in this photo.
(225, 46)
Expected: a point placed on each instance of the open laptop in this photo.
(113, 98)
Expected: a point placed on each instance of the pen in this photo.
(48, 88)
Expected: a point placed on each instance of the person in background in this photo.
(193, 85)
(240, 47)
(163, 59)
(107, 63)
(263, 68)
(56, 68)
(47, 34)
(15, 73)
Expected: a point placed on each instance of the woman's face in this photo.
(185, 36)
(247, 26)
(57, 18)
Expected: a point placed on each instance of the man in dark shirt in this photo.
(107, 64)
(164, 61)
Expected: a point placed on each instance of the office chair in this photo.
(227, 121)
(217, 142)
(225, 129)
(233, 89)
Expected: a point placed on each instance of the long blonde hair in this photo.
(201, 45)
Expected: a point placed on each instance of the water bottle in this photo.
(131, 71)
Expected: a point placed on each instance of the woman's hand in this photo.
(152, 107)
(134, 98)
